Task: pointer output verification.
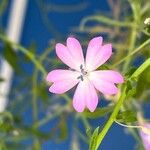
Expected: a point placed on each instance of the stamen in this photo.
(80, 77)
(81, 67)
(83, 73)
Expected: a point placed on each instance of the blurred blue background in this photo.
(41, 28)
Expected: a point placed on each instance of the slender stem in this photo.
(26, 52)
(105, 20)
(112, 118)
(46, 53)
(131, 48)
(119, 103)
(50, 116)
(86, 123)
(34, 95)
(141, 69)
(127, 126)
(133, 52)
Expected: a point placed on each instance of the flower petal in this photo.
(71, 54)
(65, 56)
(146, 136)
(91, 97)
(104, 86)
(79, 98)
(93, 48)
(63, 80)
(62, 86)
(85, 95)
(76, 50)
(101, 57)
(110, 75)
(62, 75)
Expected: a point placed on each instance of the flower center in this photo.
(83, 73)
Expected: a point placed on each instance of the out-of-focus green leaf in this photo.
(32, 47)
(6, 121)
(136, 8)
(99, 112)
(15, 146)
(131, 89)
(42, 92)
(6, 115)
(63, 129)
(127, 116)
(130, 72)
(88, 132)
(1, 79)
(143, 83)
(93, 140)
(104, 67)
(3, 5)
(36, 145)
(11, 57)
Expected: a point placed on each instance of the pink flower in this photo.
(82, 72)
(145, 135)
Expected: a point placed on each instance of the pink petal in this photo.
(63, 80)
(145, 137)
(104, 86)
(65, 56)
(79, 98)
(71, 54)
(76, 50)
(93, 48)
(61, 87)
(85, 95)
(61, 75)
(91, 98)
(101, 57)
(110, 75)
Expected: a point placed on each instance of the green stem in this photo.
(34, 95)
(105, 20)
(50, 116)
(141, 69)
(111, 119)
(119, 103)
(26, 52)
(131, 47)
(133, 52)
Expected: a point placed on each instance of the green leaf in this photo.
(127, 116)
(11, 57)
(93, 140)
(131, 88)
(143, 83)
(88, 132)
(6, 121)
(130, 72)
(99, 112)
(42, 92)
